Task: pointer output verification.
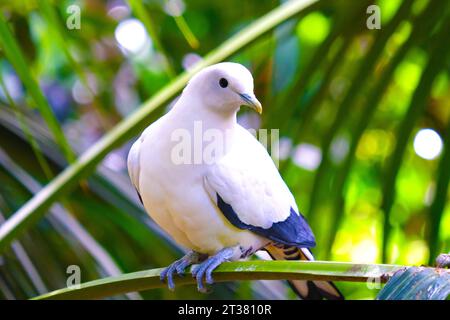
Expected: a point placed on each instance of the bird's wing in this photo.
(249, 191)
(133, 162)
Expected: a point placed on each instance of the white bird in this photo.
(226, 207)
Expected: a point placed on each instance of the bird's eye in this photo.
(223, 82)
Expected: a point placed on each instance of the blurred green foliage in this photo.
(348, 102)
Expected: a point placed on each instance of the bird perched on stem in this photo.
(222, 198)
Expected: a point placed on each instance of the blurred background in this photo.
(363, 118)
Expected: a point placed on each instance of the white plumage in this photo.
(183, 198)
(247, 179)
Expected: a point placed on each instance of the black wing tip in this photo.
(308, 238)
(294, 230)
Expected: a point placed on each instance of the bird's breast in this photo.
(175, 197)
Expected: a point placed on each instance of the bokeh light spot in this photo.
(313, 28)
(307, 156)
(427, 144)
(132, 36)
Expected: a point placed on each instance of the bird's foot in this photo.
(207, 267)
(179, 266)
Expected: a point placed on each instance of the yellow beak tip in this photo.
(259, 109)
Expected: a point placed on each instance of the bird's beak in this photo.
(251, 101)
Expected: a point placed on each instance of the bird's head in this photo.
(224, 87)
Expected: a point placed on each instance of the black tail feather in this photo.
(305, 289)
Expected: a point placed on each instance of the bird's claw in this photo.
(200, 271)
(168, 272)
(205, 269)
(178, 267)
